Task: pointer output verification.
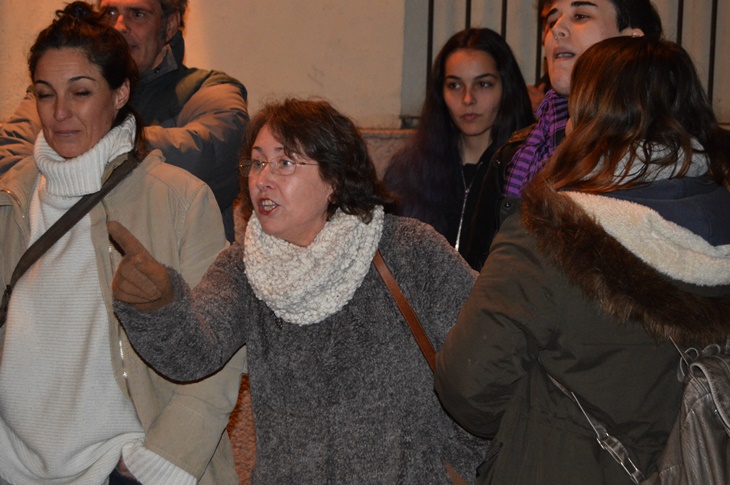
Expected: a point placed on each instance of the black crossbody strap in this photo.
(62, 226)
(405, 308)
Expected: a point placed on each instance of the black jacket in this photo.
(490, 207)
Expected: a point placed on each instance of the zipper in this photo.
(122, 356)
(461, 218)
(18, 206)
(25, 235)
(124, 367)
(467, 189)
(11, 194)
(20, 217)
(119, 330)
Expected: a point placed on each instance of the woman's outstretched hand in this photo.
(140, 279)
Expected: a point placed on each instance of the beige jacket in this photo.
(177, 219)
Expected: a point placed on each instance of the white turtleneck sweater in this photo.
(63, 418)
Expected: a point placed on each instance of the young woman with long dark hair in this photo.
(476, 97)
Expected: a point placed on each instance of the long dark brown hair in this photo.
(426, 175)
(640, 100)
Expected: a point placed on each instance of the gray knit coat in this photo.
(343, 401)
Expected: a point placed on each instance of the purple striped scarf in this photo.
(542, 141)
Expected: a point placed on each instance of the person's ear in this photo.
(632, 32)
(172, 25)
(121, 95)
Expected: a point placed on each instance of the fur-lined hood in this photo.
(636, 265)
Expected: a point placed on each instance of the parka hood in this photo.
(639, 266)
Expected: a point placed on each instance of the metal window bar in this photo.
(467, 22)
(713, 40)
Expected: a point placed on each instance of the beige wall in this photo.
(350, 52)
(365, 56)
(20, 22)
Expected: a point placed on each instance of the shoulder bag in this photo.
(418, 333)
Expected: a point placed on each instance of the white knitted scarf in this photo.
(305, 285)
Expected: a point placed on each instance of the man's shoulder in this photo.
(165, 97)
(186, 81)
(214, 77)
(171, 72)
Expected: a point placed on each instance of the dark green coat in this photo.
(558, 294)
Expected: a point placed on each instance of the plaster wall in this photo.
(366, 57)
(349, 52)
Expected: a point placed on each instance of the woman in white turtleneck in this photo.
(77, 405)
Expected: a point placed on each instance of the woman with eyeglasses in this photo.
(340, 390)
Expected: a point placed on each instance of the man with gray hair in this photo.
(196, 117)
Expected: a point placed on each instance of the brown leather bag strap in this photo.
(405, 308)
(61, 227)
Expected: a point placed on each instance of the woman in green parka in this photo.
(622, 242)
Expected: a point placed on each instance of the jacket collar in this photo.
(172, 58)
(669, 302)
(17, 184)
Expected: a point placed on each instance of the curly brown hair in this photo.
(317, 130)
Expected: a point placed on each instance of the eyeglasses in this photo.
(281, 165)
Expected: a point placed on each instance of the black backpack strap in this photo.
(62, 226)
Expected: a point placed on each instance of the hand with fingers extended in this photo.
(140, 279)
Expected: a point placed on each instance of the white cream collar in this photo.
(665, 246)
